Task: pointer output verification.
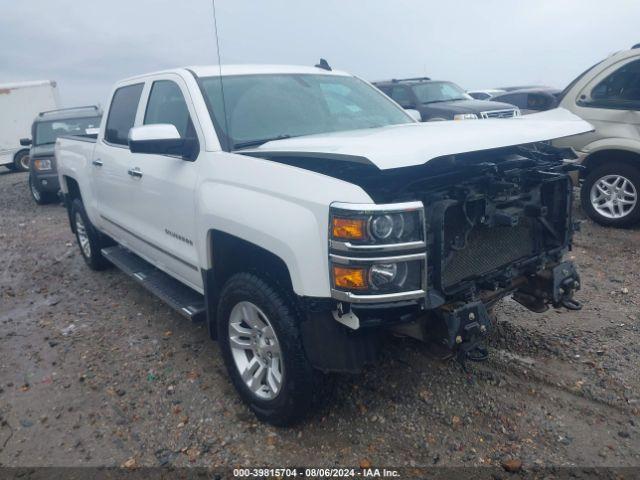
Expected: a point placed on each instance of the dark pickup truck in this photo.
(443, 100)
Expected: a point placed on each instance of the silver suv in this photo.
(607, 95)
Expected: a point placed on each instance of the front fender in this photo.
(280, 208)
(615, 143)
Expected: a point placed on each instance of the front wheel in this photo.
(41, 198)
(262, 349)
(609, 195)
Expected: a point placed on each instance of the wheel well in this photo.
(73, 188)
(231, 255)
(19, 152)
(604, 156)
(73, 192)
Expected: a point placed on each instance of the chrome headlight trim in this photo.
(370, 209)
(351, 297)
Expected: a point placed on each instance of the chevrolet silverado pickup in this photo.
(302, 214)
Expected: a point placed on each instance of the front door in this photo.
(163, 201)
(611, 101)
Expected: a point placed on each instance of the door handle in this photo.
(135, 172)
(97, 162)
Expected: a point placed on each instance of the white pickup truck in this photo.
(302, 214)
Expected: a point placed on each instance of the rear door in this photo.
(163, 200)
(110, 164)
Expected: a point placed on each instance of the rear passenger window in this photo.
(167, 105)
(122, 113)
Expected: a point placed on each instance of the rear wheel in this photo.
(610, 195)
(90, 241)
(262, 349)
(41, 198)
(21, 161)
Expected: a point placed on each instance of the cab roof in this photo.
(247, 69)
(69, 113)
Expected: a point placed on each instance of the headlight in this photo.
(42, 164)
(378, 252)
(355, 278)
(465, 116)
(355, 227)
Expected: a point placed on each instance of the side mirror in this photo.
(160, 139)
(415, 114)
(25, 142)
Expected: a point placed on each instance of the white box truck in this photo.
(19, 105)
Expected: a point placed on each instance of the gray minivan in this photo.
(608, 97)
(46, 128)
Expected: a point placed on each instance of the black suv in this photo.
(442, 100)
(46, 128)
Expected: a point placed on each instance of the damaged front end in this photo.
(496, 223)
(477, 227)
(504, 229)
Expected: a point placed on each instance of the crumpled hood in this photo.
(416, 143)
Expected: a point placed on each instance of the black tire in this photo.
(41, 198)
(21, 161)
(96, 241)
(629, 172)
(299, 380)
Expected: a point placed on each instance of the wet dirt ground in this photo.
(95, 371)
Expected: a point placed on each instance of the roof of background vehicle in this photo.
(248, 69)
(408, 81)
(549, 90)
(67, 113)
(487, 90)
(523, 87)
(29, 84)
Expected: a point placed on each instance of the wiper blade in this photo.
(254, 143)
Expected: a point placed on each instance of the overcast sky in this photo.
(88, 45)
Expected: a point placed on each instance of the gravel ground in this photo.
(95, 371)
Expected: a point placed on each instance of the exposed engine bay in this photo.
(497, 222)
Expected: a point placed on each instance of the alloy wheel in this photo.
(34, 191)
(256, 350)
(613, 196)
(83, 237)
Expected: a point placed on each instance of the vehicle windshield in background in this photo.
(431, 92)
(260, 108)
(47, 132)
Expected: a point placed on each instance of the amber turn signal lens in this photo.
(348, 228)
(353, 278)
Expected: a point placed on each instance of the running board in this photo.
(185, 300)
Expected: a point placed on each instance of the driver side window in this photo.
(620, 89)
(402, 96)
(167, 105)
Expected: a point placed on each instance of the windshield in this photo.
(47, 132)
(431, 92)
(560, 96)
(263, 107)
